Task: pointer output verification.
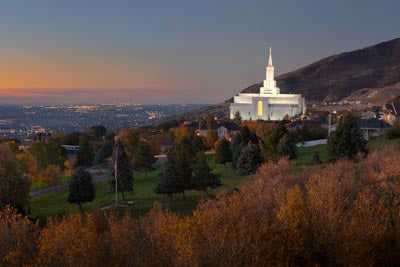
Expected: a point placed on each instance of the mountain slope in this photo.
(338, 76)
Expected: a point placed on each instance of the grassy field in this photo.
(143, 196)
(305, 153)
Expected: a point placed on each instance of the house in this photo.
(372, 127)
(222, 128)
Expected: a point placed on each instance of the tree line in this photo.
(345, 213)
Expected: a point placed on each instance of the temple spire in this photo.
(270, 57)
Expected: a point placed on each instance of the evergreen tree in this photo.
(237, 118)
(315, 159)
(249, 160)
(108, 148)
(253, 138)
(287, 148)
(279, 132)
(197, 143)
(245, 134)
(144, 157)
(269, 148)
(347, 140)
(81, 188)
(235, 147)
(99, 157)
(169, 181)
(124, 170)
(85, 153)
(98, 131)
(184, 157)
(202, 177)
(223, 153)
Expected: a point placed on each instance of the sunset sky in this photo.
(171, 51)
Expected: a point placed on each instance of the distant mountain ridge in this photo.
(338, 76)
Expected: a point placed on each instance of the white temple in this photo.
(269, 104)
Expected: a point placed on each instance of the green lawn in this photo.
(61, 180)
(144, 196)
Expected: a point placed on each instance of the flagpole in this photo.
(116, 174)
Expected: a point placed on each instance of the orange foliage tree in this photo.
(346, 213)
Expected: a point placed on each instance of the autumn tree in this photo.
(18, 235)
(223, 153)
(130, 140)
(347, 140)
(69, 165)
(181, 132)
(51, 175)
(144, 157)
(14, 186)
(123, 166)
(202, 177)
(211, 138)
(81, 187)
(38, 157)
(80, 239)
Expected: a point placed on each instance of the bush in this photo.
(393, 132)
(345, 214)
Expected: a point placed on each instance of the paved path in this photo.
(60, 187)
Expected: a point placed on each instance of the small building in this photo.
(372, 127)
(71, 150)
(222, 128)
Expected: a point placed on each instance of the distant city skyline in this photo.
(172, 51)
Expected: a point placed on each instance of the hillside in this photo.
(376, 96)
(338, 76)
(350, 75)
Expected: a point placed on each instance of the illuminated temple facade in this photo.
(269, 104)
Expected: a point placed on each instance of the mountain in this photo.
(354, 75)
(338, 76)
